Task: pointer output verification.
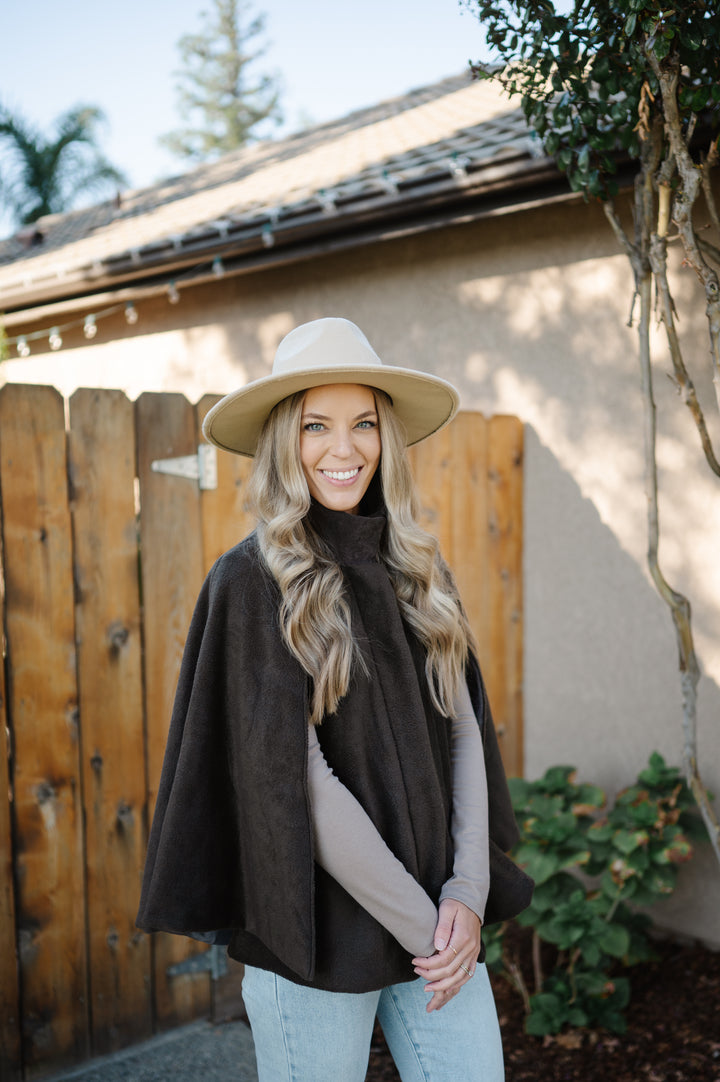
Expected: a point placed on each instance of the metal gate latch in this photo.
(201, 467)
(212, 961)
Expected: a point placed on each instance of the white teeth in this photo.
(342, 475)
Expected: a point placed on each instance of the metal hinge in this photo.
(212, 961)
(201, 467)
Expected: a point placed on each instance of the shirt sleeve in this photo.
(470, 881)
(349, 847)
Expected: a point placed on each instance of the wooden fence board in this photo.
(469, 478)
(225, 518)
(172, 573)
(505, 490)
(10, 1058)
(42, 705)
(102, 471)
(467, 551)
(431, 465)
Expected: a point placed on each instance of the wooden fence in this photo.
(102, 559)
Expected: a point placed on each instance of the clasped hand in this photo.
(457, 945)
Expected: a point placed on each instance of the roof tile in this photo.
(448, 127)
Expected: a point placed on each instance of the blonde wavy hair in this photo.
(314, 613)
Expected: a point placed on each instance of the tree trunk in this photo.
(679, 605)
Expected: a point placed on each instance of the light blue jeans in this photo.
(307, 1035)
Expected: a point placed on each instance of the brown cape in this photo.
(231, 841)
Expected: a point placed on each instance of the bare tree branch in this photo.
(709, 249)
(691, 177)
(679, 605)
(686, 387)
(617, 228)
(709, 162)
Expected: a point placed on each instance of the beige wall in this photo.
(526, 315)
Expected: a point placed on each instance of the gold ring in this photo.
(452, 949)
(465, 970)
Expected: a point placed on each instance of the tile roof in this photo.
(387, 155)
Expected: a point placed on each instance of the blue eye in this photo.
(313, 426)
(367, 424)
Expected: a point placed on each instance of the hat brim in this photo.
(424, 403)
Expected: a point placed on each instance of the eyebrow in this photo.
(322, 417)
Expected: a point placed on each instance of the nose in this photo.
(342, 443)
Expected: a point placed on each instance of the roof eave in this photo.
(500, 187)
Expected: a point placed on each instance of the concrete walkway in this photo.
(200, 1052)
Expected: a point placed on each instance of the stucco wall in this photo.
(526, 315)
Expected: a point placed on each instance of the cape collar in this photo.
(351, 538)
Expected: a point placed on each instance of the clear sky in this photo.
(333, 57)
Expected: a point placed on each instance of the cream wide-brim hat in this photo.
(322, 352)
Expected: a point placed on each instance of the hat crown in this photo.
(324, 344)
(327, 351)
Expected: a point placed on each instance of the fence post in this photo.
(505, 501)
(10, 1059)
(102, 471)
(43, 715)
(172, 573)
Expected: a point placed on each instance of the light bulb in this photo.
(22, 347)
(217, 267)
(90, 327)
(173, 293)
(55, 338)
(131, 313)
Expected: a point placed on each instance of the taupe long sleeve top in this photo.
(349, 847)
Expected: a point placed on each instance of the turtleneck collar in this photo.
(352, 538)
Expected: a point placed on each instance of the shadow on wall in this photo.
(602, 688)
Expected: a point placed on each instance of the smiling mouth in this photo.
(341, 475)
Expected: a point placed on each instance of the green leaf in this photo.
(577, 1017)
(614, 940)
(626, 841)
(591, 794)
(564, 157)
(540, 866)
(601, 68)
(691, 35)
(662, 48)
(493, 941)
(558, 778)
(519, 792)
(591, 953)
(547, 1014)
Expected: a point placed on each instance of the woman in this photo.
(332, 804)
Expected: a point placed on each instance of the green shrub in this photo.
(592, 869)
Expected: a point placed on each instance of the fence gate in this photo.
(103, 554)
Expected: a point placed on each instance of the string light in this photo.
(326, 201)
(458, 164)
(54, 336)
(389, 182)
